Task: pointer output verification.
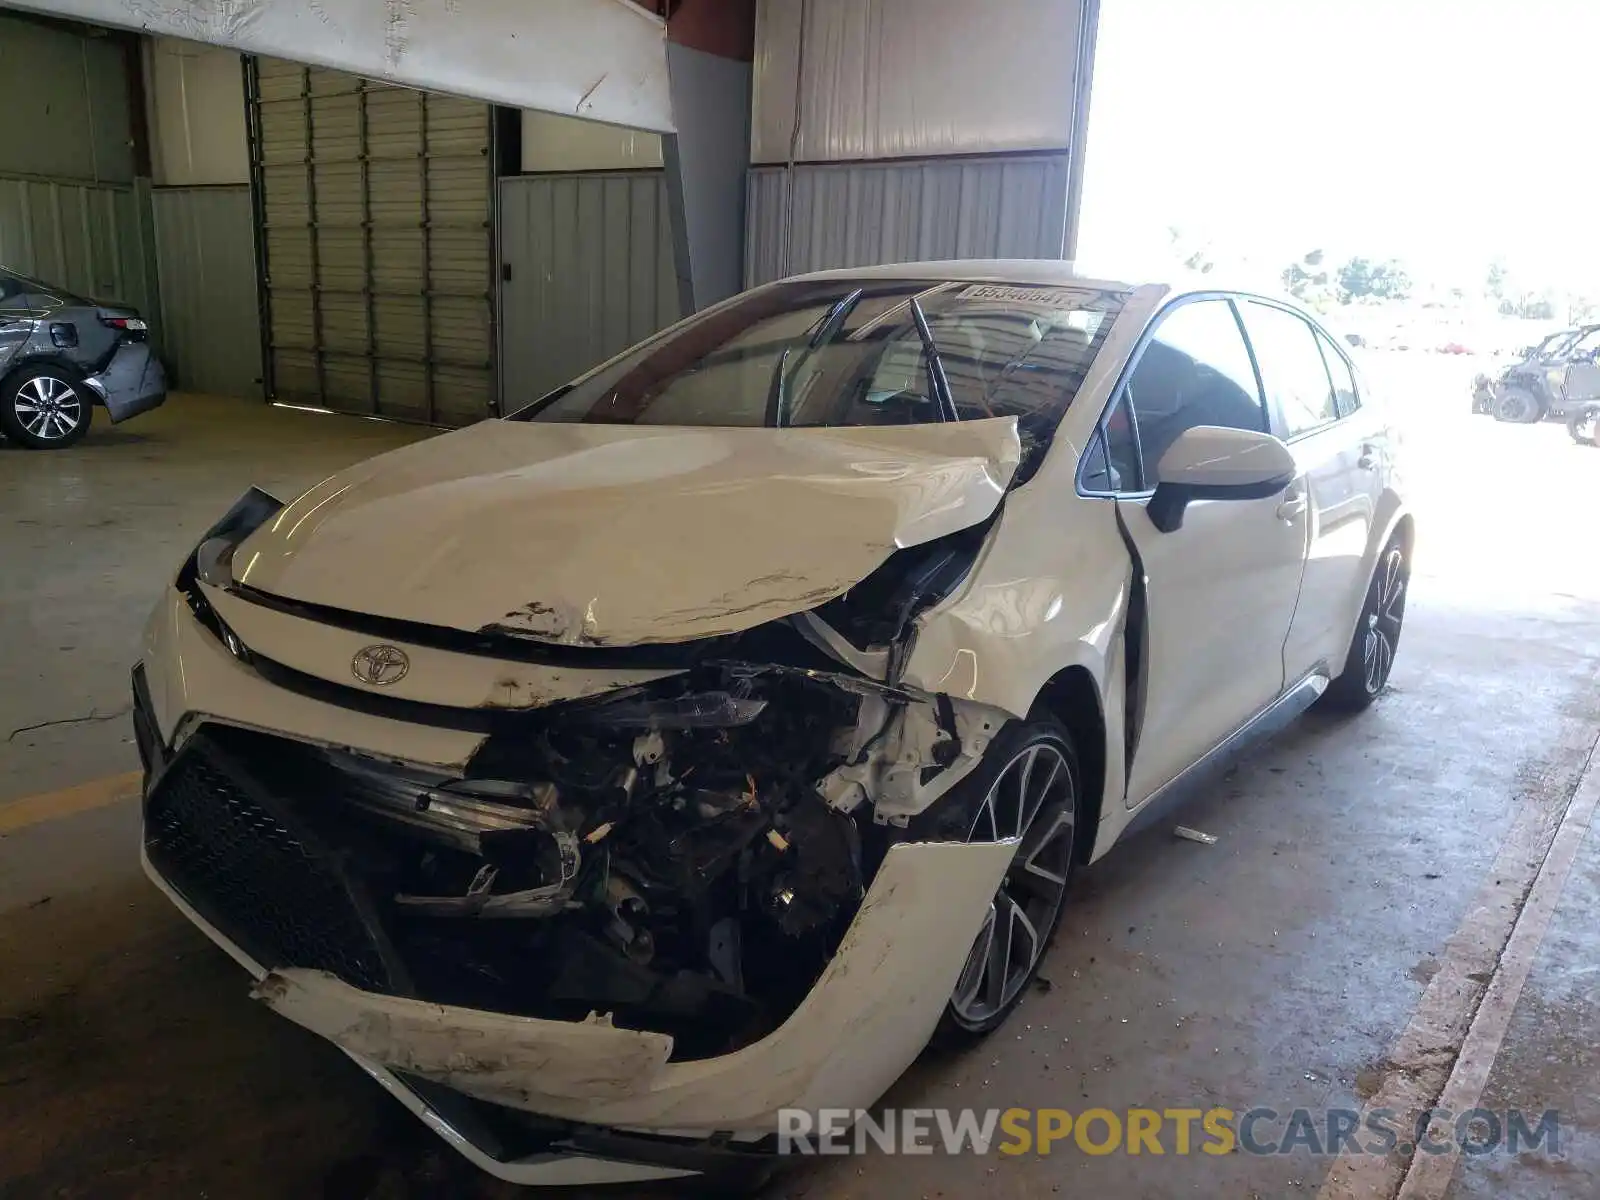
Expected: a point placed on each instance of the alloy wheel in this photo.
(1385, 612)
(1032, 801)
(47, 407)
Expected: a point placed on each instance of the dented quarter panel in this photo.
(191, 674)
(1039, 602)
(586, 534)
(435, 676)
(862, 1024)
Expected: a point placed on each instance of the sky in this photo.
(1442, 132)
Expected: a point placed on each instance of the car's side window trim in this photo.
(1326, 341)
(1119, 389)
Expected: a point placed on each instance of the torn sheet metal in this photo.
(862, 1024)
(595, 535)
(605, 60)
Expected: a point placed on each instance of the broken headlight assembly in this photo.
(212, 558)
(211, 561)
(879, 610)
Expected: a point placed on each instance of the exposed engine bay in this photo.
(664, 855)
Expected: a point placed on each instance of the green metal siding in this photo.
(205, 244)
(70, 210)
(589, 260)
(65, 99)
(87, 239)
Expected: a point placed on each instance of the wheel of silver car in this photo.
(1377, 635)
(1516, 406)
(1030, 799)
(44, 408)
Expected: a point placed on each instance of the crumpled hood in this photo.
(624, 534)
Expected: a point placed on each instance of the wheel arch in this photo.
(1072, 697)
(59, 361)
(1405, 528)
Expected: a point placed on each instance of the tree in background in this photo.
(1307, 280)
(1532, 305)
(1192, 252)
(1495, 280)
(1362, 279)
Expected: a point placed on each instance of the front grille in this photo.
(246, 863)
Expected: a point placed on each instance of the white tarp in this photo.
(605, 60)
(914, 78)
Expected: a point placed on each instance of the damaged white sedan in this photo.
(701, 740)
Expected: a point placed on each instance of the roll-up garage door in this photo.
(374, 203)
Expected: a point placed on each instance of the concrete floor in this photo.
(1366, 877)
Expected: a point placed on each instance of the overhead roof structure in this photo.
(605, 60)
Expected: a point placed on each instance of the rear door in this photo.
(1336, 483)
(1220, 590)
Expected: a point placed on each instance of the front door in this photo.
(1220, 591)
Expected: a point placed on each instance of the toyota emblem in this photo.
(380, 665)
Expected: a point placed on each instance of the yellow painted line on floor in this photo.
(52, 806)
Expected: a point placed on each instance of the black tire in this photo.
(1002, 796)
(1516, 406)
(1584, 425)
(1377, 636)
(45, 407)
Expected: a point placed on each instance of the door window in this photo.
(1195, 370)
(1346, 396)
(1292, 371)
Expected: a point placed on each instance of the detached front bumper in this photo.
(133, 382)
(529, 1100)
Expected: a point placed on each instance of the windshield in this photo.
(844, 353)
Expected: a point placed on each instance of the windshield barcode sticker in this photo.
(1053, 297)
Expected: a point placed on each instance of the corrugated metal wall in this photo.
(206, 246)
(875, 79)
(890, 130)
(857, 214)
(376, 209)
(65, 100)
(591, 272)
(86, 238)
(70, 212)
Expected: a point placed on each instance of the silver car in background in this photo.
(61, 354)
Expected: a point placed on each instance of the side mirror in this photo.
(1210, 462)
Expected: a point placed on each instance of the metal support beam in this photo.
(604, 60)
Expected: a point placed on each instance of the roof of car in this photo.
(1046, 271)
